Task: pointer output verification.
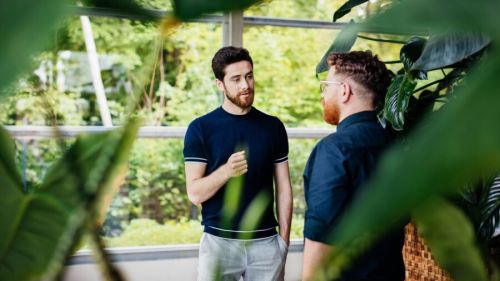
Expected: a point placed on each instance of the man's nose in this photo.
(244, 84)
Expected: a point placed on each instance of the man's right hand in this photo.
(236, 165)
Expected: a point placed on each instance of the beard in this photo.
(331, 112)
(240, 99)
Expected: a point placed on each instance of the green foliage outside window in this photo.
(182, 90)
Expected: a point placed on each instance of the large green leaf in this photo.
(49, 218)
(346, 8)
(343, 43)
(189, 9)
(445, 50)
(452, 147)
(397, 100)
(441, 17)
(26, 28)
(450, 237)
(10, 184)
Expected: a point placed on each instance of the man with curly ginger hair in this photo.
(341, 163)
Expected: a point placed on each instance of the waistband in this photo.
(240, 234)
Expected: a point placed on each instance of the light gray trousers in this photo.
(230, 259)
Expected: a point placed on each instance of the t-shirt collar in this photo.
(237, 115)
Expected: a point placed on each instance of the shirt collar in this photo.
(358, 117)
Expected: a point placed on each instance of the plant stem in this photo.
(109, 271)
(392, 62)
(381, 40)
(428, 85)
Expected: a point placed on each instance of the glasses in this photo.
(324, 83)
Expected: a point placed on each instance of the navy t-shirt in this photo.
(335, 173)
(211, 139)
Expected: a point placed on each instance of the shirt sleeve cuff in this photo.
(281, 160)
(195, 159)
(317, 230)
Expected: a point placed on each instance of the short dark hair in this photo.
(364, 68)
(226, 56)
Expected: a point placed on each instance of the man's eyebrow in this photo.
(234, 76)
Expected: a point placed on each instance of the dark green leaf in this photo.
(26, 28)
(419, 74)
(440, 17)
(346, 8)
(342, 44)
(450, 237)
(11, 187)
(189, 9)
(410, 53)
(397, 99)
(444, 50)
(451, 148)
(489, 209)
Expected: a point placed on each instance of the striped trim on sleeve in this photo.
(280, 160)
(195, 159)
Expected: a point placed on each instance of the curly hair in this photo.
(226, 56)
(365, 69)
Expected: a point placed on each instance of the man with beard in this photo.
(232, 155)
(341, 163)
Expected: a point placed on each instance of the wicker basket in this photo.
(419, 263)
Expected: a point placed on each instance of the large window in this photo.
(167, 80)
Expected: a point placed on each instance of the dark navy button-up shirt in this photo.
(335, 172)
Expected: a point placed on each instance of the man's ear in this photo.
(346, 93)
(219, 84)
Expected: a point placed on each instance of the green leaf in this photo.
(450, 237)
(232, 200)
(449, 149)
(254, 214)
(26, 28)
(444, 50)
(9, 175)
(50, 219)
(189, 9)
(397, 100)
(410, 53)
(481, 202)
(441, 17)
(346, 8)
(342, 44)
(491, 209)
(11, 188)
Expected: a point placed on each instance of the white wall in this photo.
(162, 263)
